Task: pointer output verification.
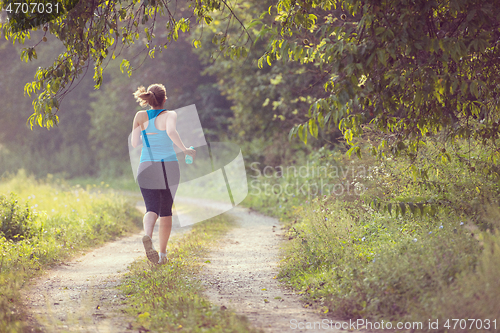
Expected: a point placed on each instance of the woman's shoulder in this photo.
(141, 113)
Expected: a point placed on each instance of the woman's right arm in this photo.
(136, 131)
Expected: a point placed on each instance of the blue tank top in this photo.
(156, 147)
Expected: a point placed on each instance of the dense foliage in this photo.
(409, 67)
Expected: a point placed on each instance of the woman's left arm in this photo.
(174, 135)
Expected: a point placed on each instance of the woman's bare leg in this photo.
(164, 232)
(149, 221)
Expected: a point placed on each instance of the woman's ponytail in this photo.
(154, 96)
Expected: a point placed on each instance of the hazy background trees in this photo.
(91, 137)
(260, 73)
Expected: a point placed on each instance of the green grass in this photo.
(124, 183)
(169, 298)
(354, 259)
(45, 222)
(359, 263)
(475, 293)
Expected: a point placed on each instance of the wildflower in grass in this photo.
(461, 223)
(430, 232)
(373, 260)
(280, 206)
(414, 239)
(326, 219)
(440, 227)
(363, 239)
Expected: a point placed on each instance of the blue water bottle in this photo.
(189, 159)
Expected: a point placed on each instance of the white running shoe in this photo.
(163, 259)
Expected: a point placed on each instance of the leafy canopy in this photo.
(410, 68)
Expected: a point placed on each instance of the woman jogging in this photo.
(158, 173)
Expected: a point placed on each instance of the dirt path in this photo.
(81, 296)
(241, 275)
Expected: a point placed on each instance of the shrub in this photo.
(16, 220)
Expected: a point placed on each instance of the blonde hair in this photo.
(154, 96)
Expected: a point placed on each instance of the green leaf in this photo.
(350, 151)
(254, 23)
(474, 89)
(125, 65)
(208, 19)
(358, 152)
(304, 136)
(418, 98)
(300, 132)
(313, 128)
(381, 55)
(292, 133)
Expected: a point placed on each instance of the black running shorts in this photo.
(158, 182)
